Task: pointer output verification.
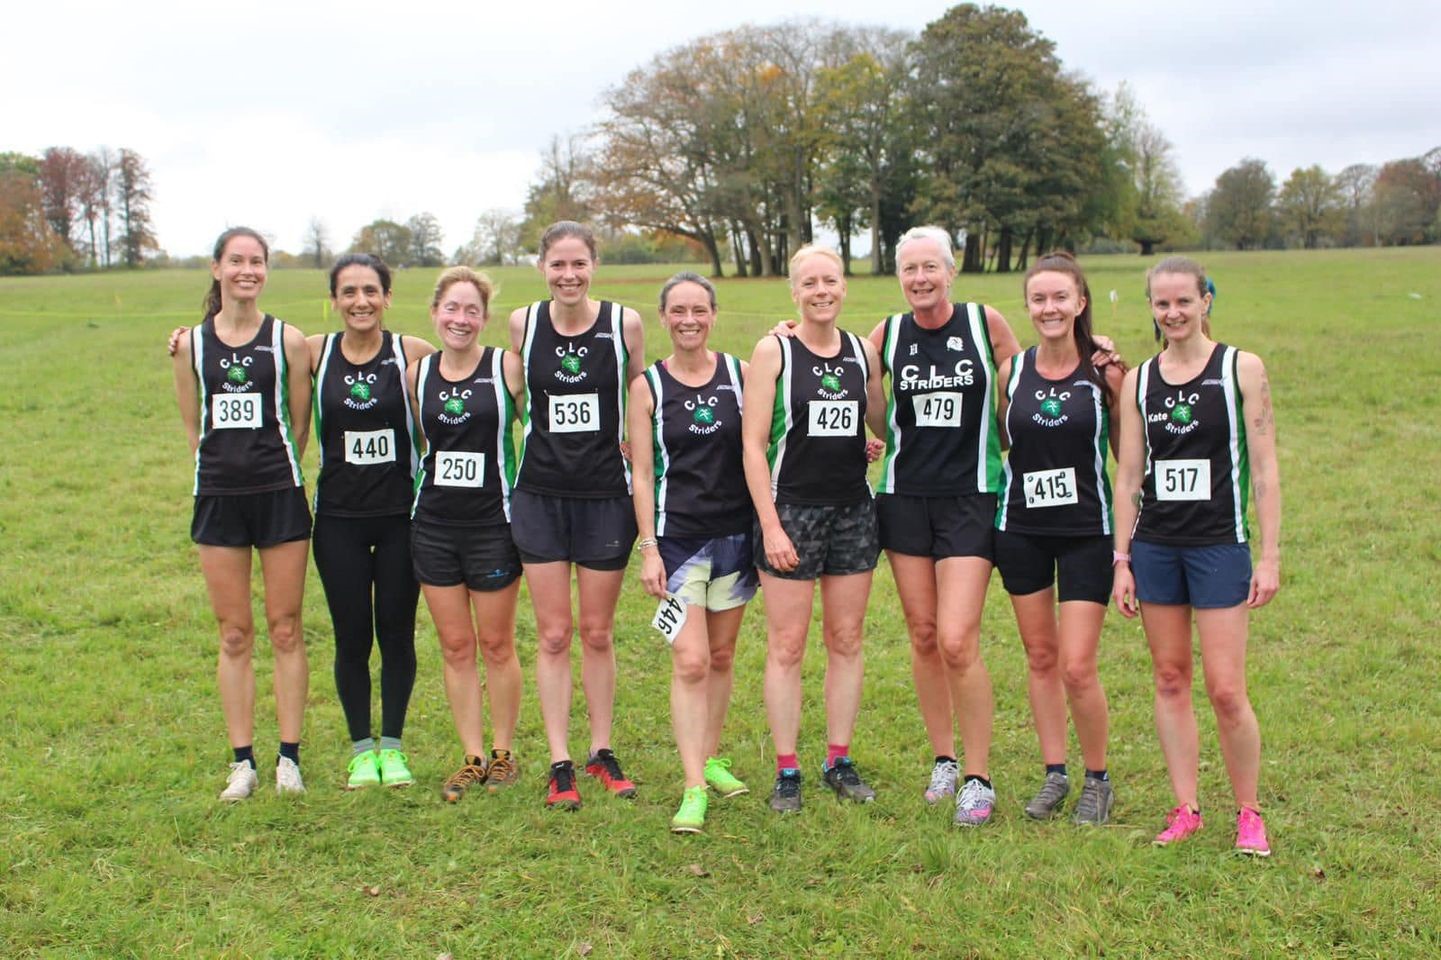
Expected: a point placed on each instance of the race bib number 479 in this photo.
(833, 418)
(937, 409)
(1183, 479)
(235, 411)
(575, 413)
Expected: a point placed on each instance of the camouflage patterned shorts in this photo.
(829, 540)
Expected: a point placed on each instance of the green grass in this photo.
(111, 842)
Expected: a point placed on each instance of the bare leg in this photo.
(495, 619)
(1168, 631)
(690, 660)
(722, 627)
(227, 580)
(1080, 638)
(599, 591)
(450, 609)
(549, 585)
(1223, 659)
(1036, 620)
(961, 593)
(788, 621)
(916, 584)
(843, 616)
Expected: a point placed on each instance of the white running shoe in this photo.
(287, 777)
(974, 804)
(943, 781)
(241, 783)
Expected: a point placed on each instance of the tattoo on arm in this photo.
(1265, 419)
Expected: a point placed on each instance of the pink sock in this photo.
(836, 750)
(787, 761)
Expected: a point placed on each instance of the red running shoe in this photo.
(563, 795)
(606, 768)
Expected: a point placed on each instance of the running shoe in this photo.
(364, 771)
(1047, 801)
(563, 795)
(471, 774)
(287, 776)
(1094, 806)
(974, 804)
(690, 818)
(395, 769)
(240, 783)
(843, 777)
(1251, 834)
(606, 768)
(503, 771)
(720, 779)
(1180, 824)
(943, 781)
(786, 795)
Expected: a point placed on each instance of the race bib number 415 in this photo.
(364, 448)
(833, 418)
(1183, 479)
(1050, 488)
(937, 409)
(235, 411)
(458, 469)
(575, 413)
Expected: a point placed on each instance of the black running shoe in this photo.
(786, 795)
(845, 780)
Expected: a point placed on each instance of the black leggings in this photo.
(352, 554)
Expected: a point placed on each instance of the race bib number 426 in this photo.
(575, 413)
(458, 469)
(1050, 488)
(365, 448)
(833, 418)
(235, 411)
(1183, 479)
(937, 409)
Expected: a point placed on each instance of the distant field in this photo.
(112, 844)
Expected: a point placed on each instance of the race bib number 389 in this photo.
(459, 469)
(833, 418)
(937, 409)
(235, 411)
(1183, 479)
(575, 413)
(364, 448)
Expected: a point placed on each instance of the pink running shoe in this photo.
(1251, 834)
(1180, 824)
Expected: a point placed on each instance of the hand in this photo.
(173, 343)
(780, 553)
(1105, 352)
(875, 447)
(1265, 581)
(625, 450)
(1123, 590)
(652, 572)
(786, 328)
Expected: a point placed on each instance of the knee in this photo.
(285, 635)
(457, 647)
(1229, 703)
(497, 647)
(597, 637)
(722, 659)
(236, 640)
(844, 641)
(961, 652)
(1041, 658)
(1173, 681)
(923, 637)
(786, 653)
(692, 667)
(1079, 676)
(554, 641)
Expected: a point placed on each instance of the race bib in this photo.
(235, 411)
(937, 409)
(457, 469)
(833, 418)
(670, 617)
(1050, 488)
(1183, 479)
(576, 413)
(364, 448)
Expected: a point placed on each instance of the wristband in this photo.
(1119, 557)
(647, 542)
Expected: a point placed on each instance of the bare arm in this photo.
(416, 347)
(1003, 401)
(1129, 467)
(511, 369)
(1115, 378)
(412, 375)
(640, 425)
(517, 328)
(633, 330)
(315, 345)
(1265, 476)
(760, 395)
(1004, 344)
(875, 393)
(187, 390)
(297, 382)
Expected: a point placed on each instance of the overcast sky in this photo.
(269, 114)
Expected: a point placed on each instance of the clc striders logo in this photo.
(237, 376)
(702, 414)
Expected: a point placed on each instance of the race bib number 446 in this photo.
(833, 418)
(458, 469)
(365, 448)
(235, 411)
(937, 409)
(670, 617)
(1050, 488)
(1183, 479)
(575, 413)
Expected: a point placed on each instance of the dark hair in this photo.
(687, 276)
(1187, 268)
(567, 228)
(369, 260)
(211, 303)
(1061, 261)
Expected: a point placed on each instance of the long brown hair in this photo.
(1061, 261)
(211, 304)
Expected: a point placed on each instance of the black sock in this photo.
(245, 755)
(291, 751)
(941, 759)
(1098, 775)
(981, 780)
(1056, 768)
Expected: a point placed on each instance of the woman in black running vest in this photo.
(242, 380)
(572, 502)
(808, 400)
(464, 403)
(1197, 439)
(1053, 525)
(694, 517)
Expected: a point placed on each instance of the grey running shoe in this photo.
(786, 795)
(943, 781)
(974, 804)
(1047, 801)
(845, 780)
(1094, 807)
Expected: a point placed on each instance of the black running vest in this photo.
(1055, 473)
(817, 451)
(469, 465)
(246, 443)
(700, 487)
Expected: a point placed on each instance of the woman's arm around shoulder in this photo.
(633, 330)
(187, 387)
(1003, 401)
(1115, 382)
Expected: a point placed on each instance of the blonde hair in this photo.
(812, 250)
(453, 275)
(1186, 267)
(941, 238)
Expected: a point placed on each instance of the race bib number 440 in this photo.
(364, 448)
(1183, 479)
(937, 409)
(833, 418)
(1050, 488)
(458, 469)
(235, 411)
(575, 413)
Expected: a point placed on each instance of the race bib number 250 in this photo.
(459, 469)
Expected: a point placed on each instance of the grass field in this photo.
(112, 843)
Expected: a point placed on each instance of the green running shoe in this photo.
(364, 771)
(718, 775)
(690, 818)
(394, 769)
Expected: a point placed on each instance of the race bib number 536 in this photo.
(575, 413)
